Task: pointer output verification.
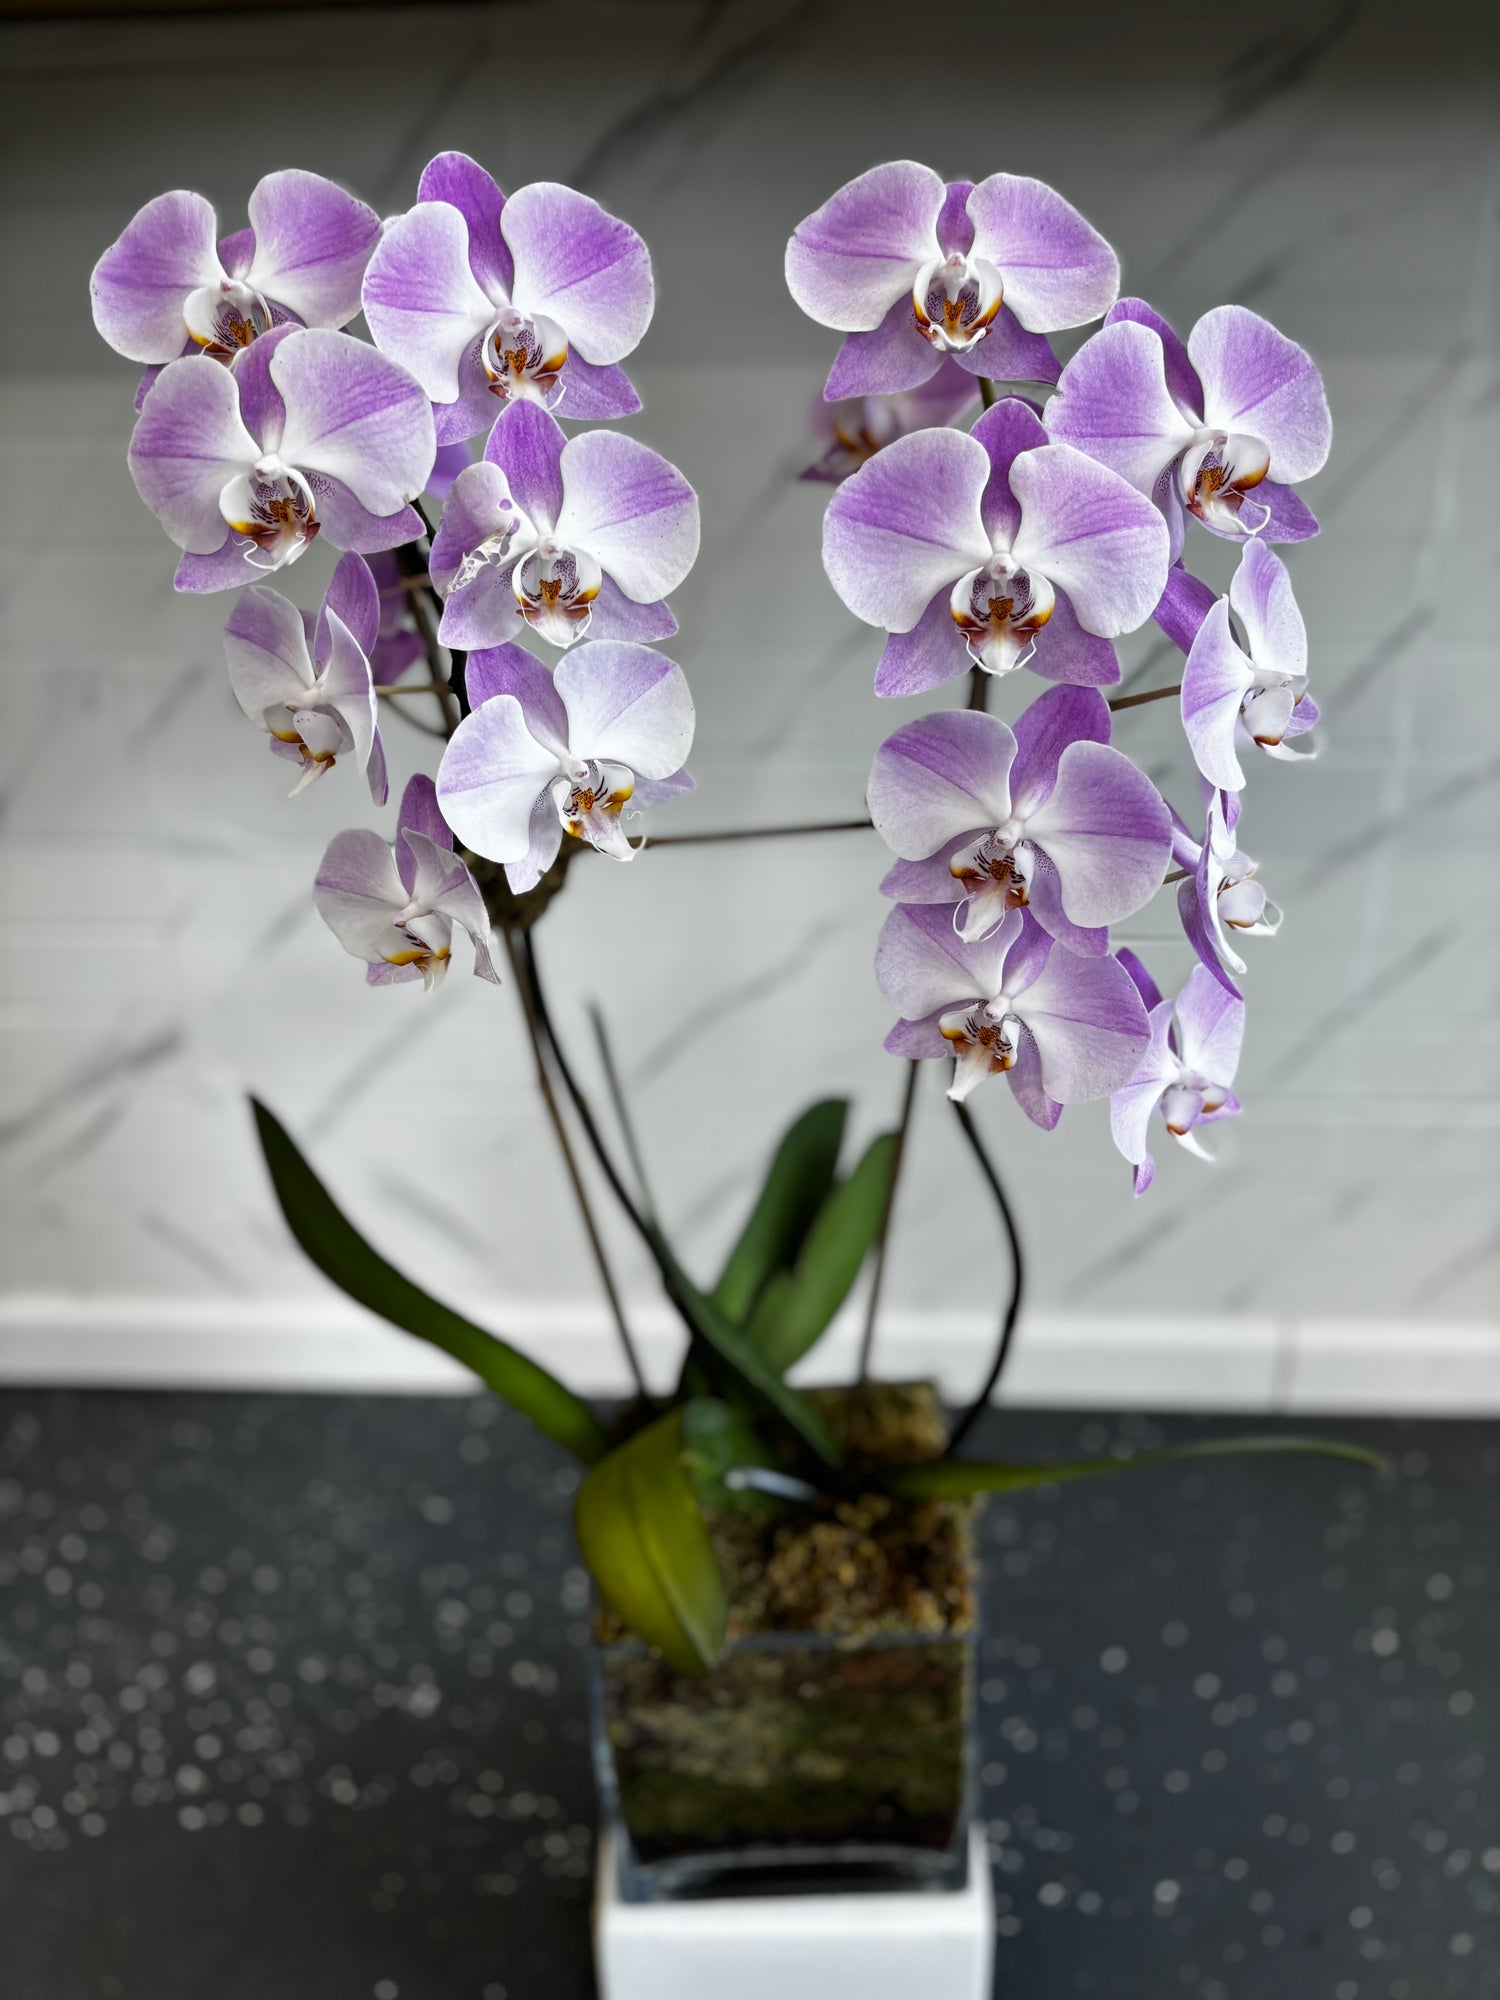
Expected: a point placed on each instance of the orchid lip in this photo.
(272, 507)
(986, 1041)
(523, 358)
(590, 798)
(1000, 608)
(996, 871)
(555, 588)
(955, 300)
(223, 318)
(1216, 473)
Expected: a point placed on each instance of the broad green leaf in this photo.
(342, 1254)
(953, 1479)
(799, 1178)
(643, 1538)
(744, 1359)
(795, 1307)
(716, 1439)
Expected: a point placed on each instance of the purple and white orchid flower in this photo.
(1047, 816)
(396, 910)
(1221, 428)
(571, 536)
(307, 432)
(1222, 894)
(1185, 1072)
(318, 704)
(545, 754)
(1237, 697)
(1063, 1028)
(536, 298)
(167, 286)
(855, 428)
(994, 549)
(911, 269)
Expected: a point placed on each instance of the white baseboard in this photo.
(1390, 1367)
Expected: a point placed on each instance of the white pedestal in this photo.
(882, 1946)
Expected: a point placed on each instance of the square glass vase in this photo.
(833, 1758)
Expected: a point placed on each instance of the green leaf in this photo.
(342, 1254)
(731, 1344)
(643, 1538)
(953, 1479)
(716, 1439)
(796, 1306)
(799, 1178)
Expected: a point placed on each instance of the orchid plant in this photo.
(527, 580)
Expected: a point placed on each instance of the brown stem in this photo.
(979, 689)
(989, 392)
(867, 1341)
(1138, 700)
(544, 1083)
(1177, 875)
(752, 833)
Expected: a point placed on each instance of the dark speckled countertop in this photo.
(292, 1704)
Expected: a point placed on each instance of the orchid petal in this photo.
(932, 652)
(851, 258)
(1112, 403)
(527, 444)
(1067, 654)
(1215, 679)
(1255, 380)
(1061, 716)
(346, 685)
(1089, 1025)
(1260, 594)
(924, 967)
(1210, 1027)
(358, 891)
(142, 282)
(938, 778)
(422, 301)
(419, 812)
(189, 441)
(512, 670)
(1087, 529)
(354, 415)
(445, 885)
(1058, 270)
(628, 705)
(353, 595)
(1131, 1108)
(886, 360)
(546, 839)
(1182, 377)
(580, 266)
(1008, 353)
(490, 776)
(312, 243)
(905, 524)
(462, 183)
(1025, 1080)
(265, 644)
(1006, 429)
(632, 510)
(1107, 831)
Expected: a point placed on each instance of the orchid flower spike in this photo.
(307, 432)
(571, 536)
(1222, 895)
(166, 287)
(856, 427)
(541, 755)
(1063, 1028)
(318, 704)
(1046, 816)
(1237, 698)
(1185, 1073)
(397, 910)
(911, 269)
(994, 549)
(1222, 428)
(485, 299)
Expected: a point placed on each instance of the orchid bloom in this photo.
(532, 298)
(855, 428)
(398, 639)
(1063, 1028)
(996, 549)
(397, 910)
(572, 536)
(166, 287)
(306, 432)
(1185, 1073)
(546, 754)
(910, 270)
(1046, 816)
(319, 705)
(1222, 894)
(1221, 428)
(1237, 697)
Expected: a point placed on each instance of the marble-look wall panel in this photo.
(1333, 166)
